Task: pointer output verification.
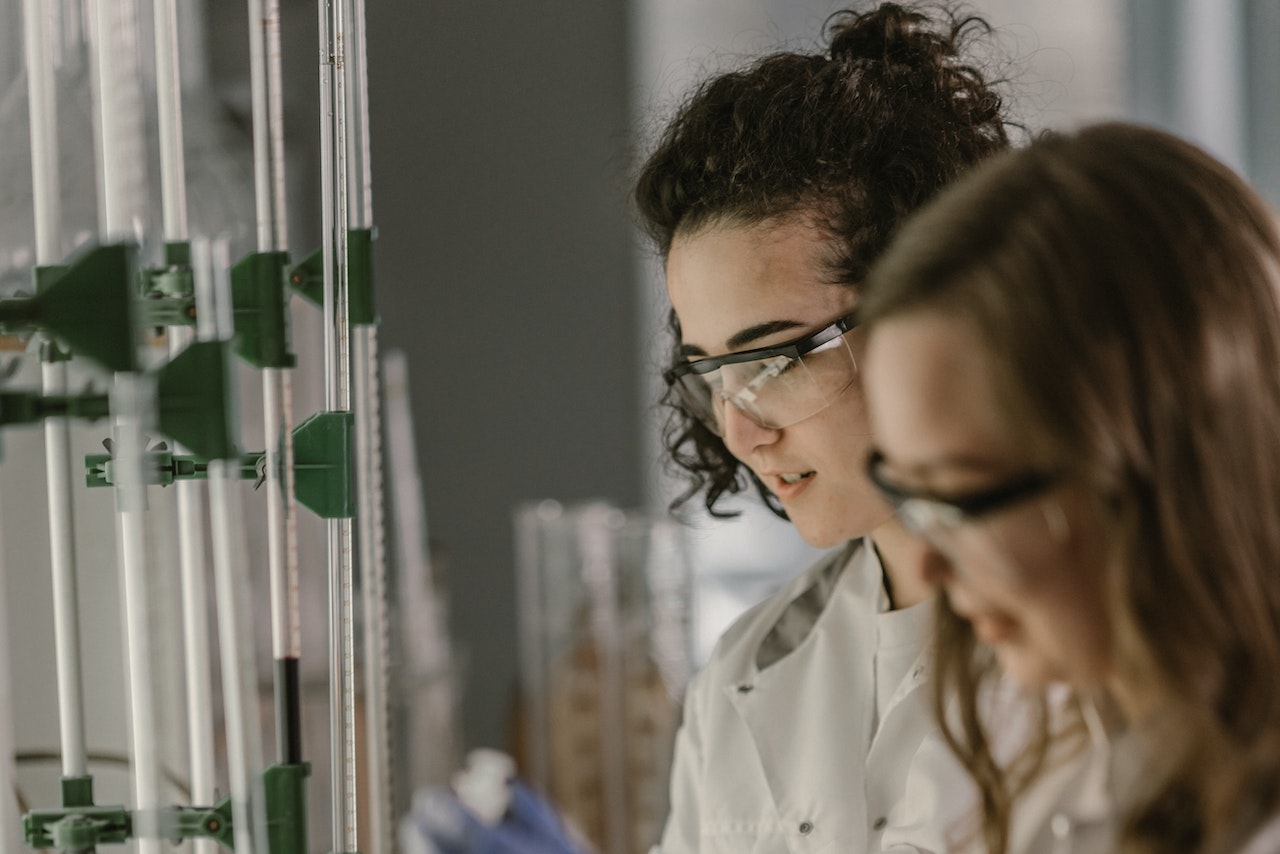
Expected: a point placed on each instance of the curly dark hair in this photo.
(858, 135)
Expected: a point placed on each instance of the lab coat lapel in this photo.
(824, 685)
(911, 719)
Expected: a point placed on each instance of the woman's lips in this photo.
(788, 491)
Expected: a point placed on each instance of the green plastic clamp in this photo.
(88, 304)
(193, 406)
(45, 275)
(286, 795)
(168, 292)
(323, 464)
(77, 791)
(28, 407)
(77, 828)
(261, 310)
(307, 278)
(164, 467)
(179, 823)
(361, 311)
(158, 312)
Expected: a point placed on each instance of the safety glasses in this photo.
(775, 386)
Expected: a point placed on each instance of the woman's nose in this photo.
(742, 434)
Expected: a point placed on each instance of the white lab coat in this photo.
(785, 757)
(1077, 806)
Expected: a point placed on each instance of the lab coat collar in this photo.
(798, 618)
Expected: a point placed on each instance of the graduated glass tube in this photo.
(604, 618)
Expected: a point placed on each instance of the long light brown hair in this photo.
(1125, 285)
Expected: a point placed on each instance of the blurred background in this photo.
(525, 312)
(505, 136)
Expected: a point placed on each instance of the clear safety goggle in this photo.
(987, 528)
(773, 386)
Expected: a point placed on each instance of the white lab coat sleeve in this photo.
(682, 834)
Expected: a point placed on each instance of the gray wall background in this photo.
(505, 272)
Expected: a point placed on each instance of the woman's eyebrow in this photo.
(750, 335)
(761, 330)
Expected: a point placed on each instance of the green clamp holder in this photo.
(307, 279)
(323, 454)
(193, 405)
(286, 794)
(87, 304)
(193, 400)
(259, 295)
(77, 791)
(82, 827)
(77, 828)
(168, 292)
(324, 464)
(179, 823)
(164, 467)
(361, 311)
(29, 407)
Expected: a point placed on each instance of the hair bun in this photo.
(892, 34)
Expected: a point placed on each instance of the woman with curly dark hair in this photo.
(768, 197)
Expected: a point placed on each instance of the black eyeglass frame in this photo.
(793, 349)
(971, 506)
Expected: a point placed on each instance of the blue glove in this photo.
(440, 824)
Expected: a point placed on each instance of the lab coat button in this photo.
(806, 827)
(1060, 825)
(880, 823)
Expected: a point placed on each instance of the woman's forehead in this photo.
(932, 394)
(725, 279)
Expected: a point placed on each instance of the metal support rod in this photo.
(190, 495)
(277, 389)
(173, 184)
(46, 197)
(118, 119)
(118, 114)
(42, 98)
(132, 405)
(10, 825)
(211, 266)
(333, 164)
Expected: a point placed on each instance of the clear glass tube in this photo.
(604, 660)
(333, 164)
(373, 569)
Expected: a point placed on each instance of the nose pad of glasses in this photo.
(1056, 520)
(743, 413)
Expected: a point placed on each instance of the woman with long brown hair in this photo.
(1074, 376)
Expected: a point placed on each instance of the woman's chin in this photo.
(1024, 666)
